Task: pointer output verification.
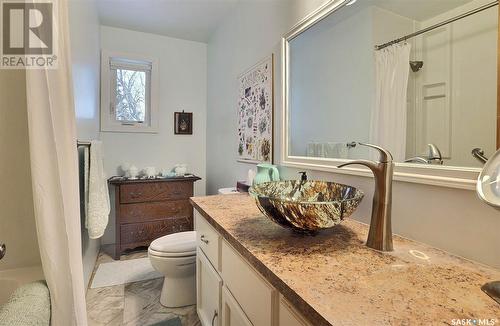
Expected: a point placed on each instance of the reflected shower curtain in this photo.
(54, 169)
(388, 119)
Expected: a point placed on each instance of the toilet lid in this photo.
(176, 243)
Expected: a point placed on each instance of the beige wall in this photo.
(17, 221)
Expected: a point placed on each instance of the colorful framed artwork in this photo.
(183, 123)
(255, 113)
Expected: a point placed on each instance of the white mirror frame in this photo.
(444, 176)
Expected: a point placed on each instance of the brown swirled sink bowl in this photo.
(306, 206)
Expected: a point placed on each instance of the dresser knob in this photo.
(202, 239)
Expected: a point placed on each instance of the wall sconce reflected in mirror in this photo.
(416, 65)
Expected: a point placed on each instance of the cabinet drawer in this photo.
(157, 191)
(141, 212)
(146, 232)
(208, 239)
(288, 316)
(246, 285)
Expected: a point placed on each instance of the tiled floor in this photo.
(134, 303)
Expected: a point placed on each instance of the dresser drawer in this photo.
(207, 239)
(142, 212)
(254, 294)
(145, 192)
(147, 232)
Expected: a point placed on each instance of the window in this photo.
(128, 93)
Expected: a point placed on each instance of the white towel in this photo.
(28, 305)
(98, 207)
(86, 167)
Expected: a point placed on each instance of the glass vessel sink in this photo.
(306, 206)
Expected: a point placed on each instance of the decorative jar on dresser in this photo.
(147, 209)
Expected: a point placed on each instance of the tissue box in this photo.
(242, 186)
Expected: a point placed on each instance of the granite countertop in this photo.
(334, 279)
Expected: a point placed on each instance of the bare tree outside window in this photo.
(130, 102)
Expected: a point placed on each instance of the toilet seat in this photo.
(171, 254)
(179, 244)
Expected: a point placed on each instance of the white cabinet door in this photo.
(232, 314)
(252, 292)
(208, 291)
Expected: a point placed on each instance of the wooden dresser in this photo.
(148, 209)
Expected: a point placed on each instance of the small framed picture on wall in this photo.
(183, 123)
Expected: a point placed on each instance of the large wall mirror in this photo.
(430, 99)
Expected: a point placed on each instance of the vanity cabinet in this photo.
(147, 209)
(230, 292)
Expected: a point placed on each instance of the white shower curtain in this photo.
(54, 172)
(388, 120)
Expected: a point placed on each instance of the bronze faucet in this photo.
(380, 233)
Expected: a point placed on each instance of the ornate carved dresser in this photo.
(147, 209)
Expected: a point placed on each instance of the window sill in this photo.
(130, 129)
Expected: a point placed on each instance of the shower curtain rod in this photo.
(430, 28)
(82, 143)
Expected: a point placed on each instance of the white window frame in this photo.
(108, 121)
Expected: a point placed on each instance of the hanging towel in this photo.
(98, 206)
(86, 168)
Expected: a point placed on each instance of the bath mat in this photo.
(171, 322)
(123, 272)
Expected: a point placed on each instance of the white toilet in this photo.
(174, 256)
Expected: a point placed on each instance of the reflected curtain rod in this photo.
(430, 28)
(82, 143)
